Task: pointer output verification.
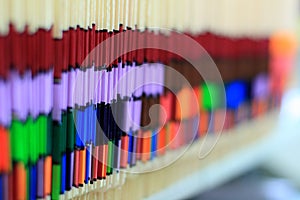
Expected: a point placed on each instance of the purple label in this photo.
(122, 83)
(33, 87)
(152, 78)
(5, 105)
(119, 71)
(131, 77)
(64, 84)
(71, 83)
(27, 93)
(128, 82)
(48, 87)
(139, 81)
(261, 87)
(78, 87)
(40, 178)
(85, 88)
(41, 78)
(18, 100)
(108, 90)
(93, 77)
(111, 82)
(161, 76)
(72, 166)
(82, 89)
(95, 85)
(119, 83)
(104, 86)
(137, 115)
(120, 74)
(156, 74)
(41, 81)
(115, 82)
(89, 84)
(135, 84)
(109, 87)
(128, 88)
(98, 88)
(57, 102)
(101, 82)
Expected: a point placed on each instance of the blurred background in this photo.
(277, 176)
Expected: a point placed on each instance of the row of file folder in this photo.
(56, 140)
